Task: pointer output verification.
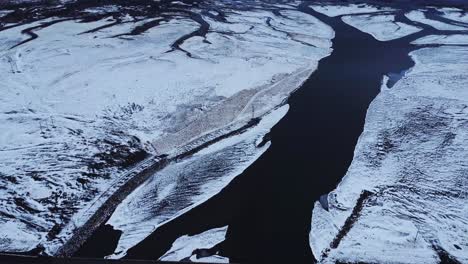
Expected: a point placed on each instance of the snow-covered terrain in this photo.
(403, 199)
(419, 16)
(455, 14)
(197, 248)
(376, 21)
(381, 27)
(93, 97)
(442, 39)
(209, 176)
(135, 112)
(182, 185)
(339, 10)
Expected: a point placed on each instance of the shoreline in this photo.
(262, 206)
(140, 173)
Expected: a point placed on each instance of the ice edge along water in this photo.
(381, 27)
(199, 177)
(53, 110)
(136, 230)
(184, 247)
(407, 181)
(403, 199)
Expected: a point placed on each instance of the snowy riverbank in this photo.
(403, 199)
(89, 99)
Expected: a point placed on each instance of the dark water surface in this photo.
(268, 208)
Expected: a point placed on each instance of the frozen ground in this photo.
(339, 10)
(419, 16)
(381, 27)
(455, 14)
(403, 199)
(182, 185)
(186, 248)
(89, 94)
(94, 95)
(442, 39)
(387, 24)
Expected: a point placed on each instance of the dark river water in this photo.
(268, 208)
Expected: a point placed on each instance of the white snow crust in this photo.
(381, 27)
(71, 100)
(183, 248)
(413, 157)
(455, 14)
(419, 16)
(339, 10)
(443, 39)
(183, 185)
